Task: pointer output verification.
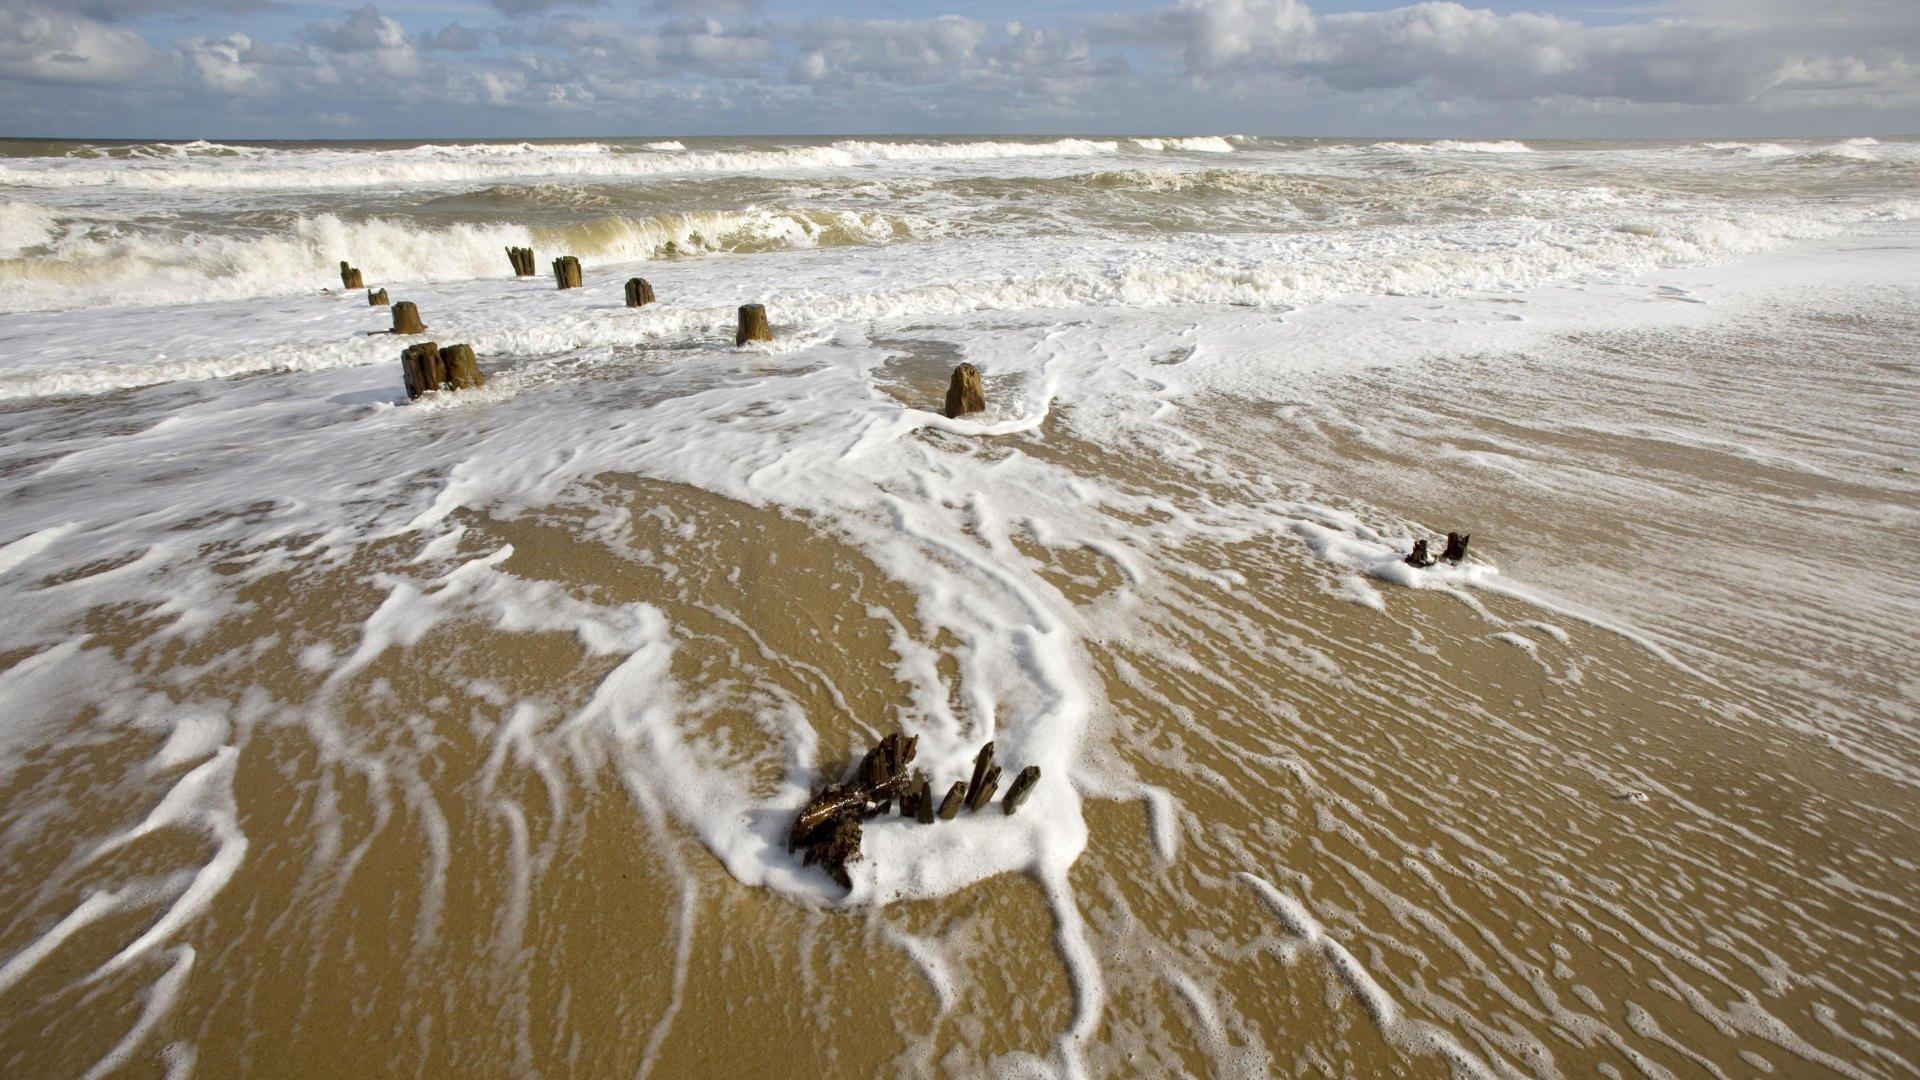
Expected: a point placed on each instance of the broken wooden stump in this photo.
(426, 366)
(964, 393)
(1456, 547)
(950, 805)
(461, 368)
(753, 325)
(1419, 559)
(639, 293)
(422, 369)
(1022, 787)
(376, 298)
(566, 271)
(923, 801)
(406, 318)
(522, 260)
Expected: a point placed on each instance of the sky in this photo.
(533, 68)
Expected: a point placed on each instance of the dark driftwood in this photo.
(828, 827)
(350, 276)
(566, 272)
(639, 293)
(421, 368)
(462, 370)
(1022, 787)
(1456, 547)
(376, 298)
(753, 325)
(406, 319)
(522, 260)
(964, 393)
(984, 796)
(982, 762)
(956, 795)
(1419, 558)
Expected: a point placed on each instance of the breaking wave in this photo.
(103, 263)
(486, 161)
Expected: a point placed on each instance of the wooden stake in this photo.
(350, 276)
(1022, 787)
(462, 371)
(376, 298)
(566, 271)
(522, 260)
(923, 802)
(984, 796)
(981, 763)
(1419, 559)
(421, 368)
(956, 795)
(753, 325)
(406, 319)
(964, 393)
(1456, 547)
(639, 293)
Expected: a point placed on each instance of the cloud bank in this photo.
(613, 66)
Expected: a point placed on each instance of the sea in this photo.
(343, 734)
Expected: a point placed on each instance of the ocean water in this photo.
(342, 734)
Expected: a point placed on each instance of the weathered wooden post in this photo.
(988, 785)
(461, 370)
(1419, 559)
(376, 298)
(1022, 787)
(421, 368)
(981, 763)
(350, 276)
(406, 319)
(639, 293)
(1456, 547)
(964, 393)
(566, 271)
(956, 795)
(753, 325)
(522, 260)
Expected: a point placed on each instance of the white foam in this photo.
(1203, 144)
(451, 164)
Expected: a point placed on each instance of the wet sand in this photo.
(1459, 832)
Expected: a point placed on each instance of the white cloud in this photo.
(1269, 65)
(38, 45)
(1458, 53)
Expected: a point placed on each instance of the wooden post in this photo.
(1456, 547)
(421, 369)
(1022, 787)
(981, 763)
(1419, 559)
(923, 802)
(964, 393)
(406, 319)
(639, 293)
(350, 276)
(376, 298)
(982, 797)
(753, 325)
(956, 795)
(522, 260)
(462, 370)
(566, 271)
